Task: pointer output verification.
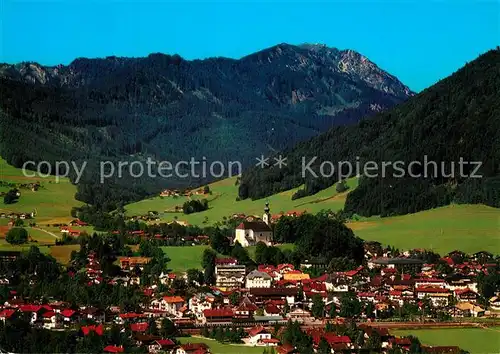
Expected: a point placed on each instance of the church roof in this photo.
(258, 226)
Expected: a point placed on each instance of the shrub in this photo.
(17, 236)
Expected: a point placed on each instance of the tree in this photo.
(349, 305)
(318, 306)
(234, 298)
(374, 342)
(324, 347)
(19, 222)
(17, 236)
(167, 328)
(341, 187)
(11, 196)
(219, 242)
(241, 254)
(194, 276)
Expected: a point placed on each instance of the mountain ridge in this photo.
(165, 107)
(456, 118)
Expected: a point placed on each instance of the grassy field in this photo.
(52, 202)
(219, 348)
(222, 203)
(187, 257)
(474, 340)
(469, 228)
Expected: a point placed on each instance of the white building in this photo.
(249, 233)
(256, 279)
(230, 276)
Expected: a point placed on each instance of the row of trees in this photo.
(454, 120)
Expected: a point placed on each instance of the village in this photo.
(257, 305)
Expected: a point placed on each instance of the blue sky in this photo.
(418, 41)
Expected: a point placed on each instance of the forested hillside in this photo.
(459, 117)
(168, 108)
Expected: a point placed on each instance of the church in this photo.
(249, 233)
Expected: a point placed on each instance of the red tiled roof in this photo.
(7, 313)
(225, 260)
(256, 330)
(68, 312)
(173, 299)
(270, 340)
(285, 349)
(402, 341)
(131, 315)
(432, 290)
(429, 280)
(30, 308)
(190, 347)
(113, 349)
(273, 309)
(139, 327)
(218, 313)
(334, 339)
(463, 291)
(99, 330)
(49, 314)
(165, 342)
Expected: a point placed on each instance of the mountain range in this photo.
(168, 108)
(457, 119)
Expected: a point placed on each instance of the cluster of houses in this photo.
(14, 216)
(178, 193)
(257, 299)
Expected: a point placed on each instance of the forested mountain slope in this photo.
(172, 109)
(457, 118)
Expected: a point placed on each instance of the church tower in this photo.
(267, 216)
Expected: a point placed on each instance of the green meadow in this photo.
(52, 202)
(469, 228)
(183, 258)
(219, 348)
(222, 203)
(474, 340)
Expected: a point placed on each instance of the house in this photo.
(296, 275)
(226, 261)
(129, 263)
(77, 222)
(438, 296)
(468, 309)
(495, 303)
(299, 313)
(256, 279)
(69, 315)
(113, 349)
(32, 310)
(245, 309)
(217, 315)
(257, 334)
(262, 295)
(430, 282)
(139, 327)
(50, 319)
(336, 284)
(173, 305)
(97, 329)
(192, 348)
(200, 302)
(270, 309)
(249, 233)
(7, 314)
(466, 295)
(230, 276)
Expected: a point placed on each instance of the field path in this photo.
(47, 232)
